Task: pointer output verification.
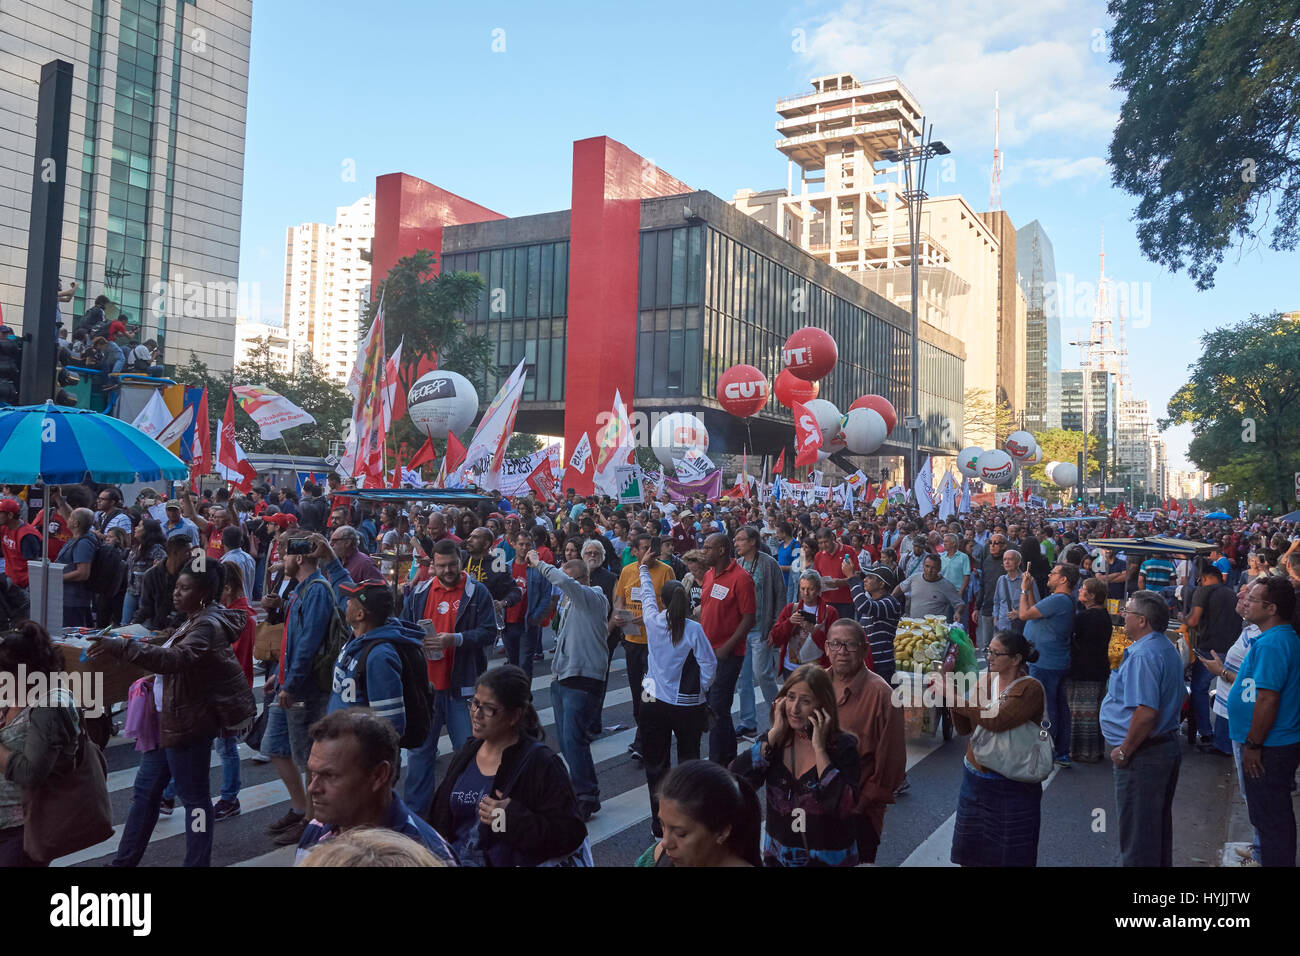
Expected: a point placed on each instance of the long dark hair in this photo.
(514, 691)
(677, 606)
(28, 644)
(151, 535)
(716, 798)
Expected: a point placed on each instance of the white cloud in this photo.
(1049, 171)
(952, 54)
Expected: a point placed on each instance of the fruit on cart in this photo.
(1115, 651)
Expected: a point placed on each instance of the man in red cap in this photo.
(21, 542)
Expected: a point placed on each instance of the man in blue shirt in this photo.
(1264, 718)
(176, 523)
(1157, 572)
(1139, 719)
(1050, 625)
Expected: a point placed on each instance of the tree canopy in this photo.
(1207, 136)
(1242, 402)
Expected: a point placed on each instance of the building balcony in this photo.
(810, 149)
(894, 110)
(880, 87)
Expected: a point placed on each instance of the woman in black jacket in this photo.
(506, 799)
(1089, 671)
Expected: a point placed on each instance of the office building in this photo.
(251, 337)
(155, 160)
(1099, 408)
(326, 282)
(852, 216)
(654, 289)
(1036, 269)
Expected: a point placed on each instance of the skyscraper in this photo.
(155, 159)
(1037, 268)
(326, 273)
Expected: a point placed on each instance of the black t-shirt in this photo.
(1220, 625)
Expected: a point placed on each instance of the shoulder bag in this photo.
(70, 811)
(1022, 753)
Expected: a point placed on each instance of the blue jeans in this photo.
(1201, 681)
(1058, 705)
(722, 735)
(1255, 853)
(421, 765)
(1144, 799)
(129, 603)
(512, 636)
(760, 657)
(1221, 739)
(574, 712)
(188, 766)
(261, 575)
(1268, 800)
(231, 782)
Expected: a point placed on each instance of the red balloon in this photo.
(881, 405)
(742, 390)
(790, 389)
(809, 354)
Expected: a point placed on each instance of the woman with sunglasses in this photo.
(506, 799)
(998, 818)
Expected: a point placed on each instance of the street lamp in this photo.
(918, 155)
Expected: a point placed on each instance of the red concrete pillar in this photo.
(609, 182)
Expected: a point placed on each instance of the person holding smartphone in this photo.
(809, 769)
(799, 633)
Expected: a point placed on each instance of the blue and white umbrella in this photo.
(53, 444)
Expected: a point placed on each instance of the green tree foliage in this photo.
(1242, 401)
(1057, 444)
(422, 310)
(1207, 137)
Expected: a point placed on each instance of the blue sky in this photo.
(415, 86)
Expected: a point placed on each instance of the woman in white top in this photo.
(679, 670)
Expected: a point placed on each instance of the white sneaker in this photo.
(260, 758)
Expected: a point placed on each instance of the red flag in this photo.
(807, 436)
(780, 463)
(231, 461)
(1120, 511)
(423, 456)
(201, 450)
(455, 453)
(542, 481)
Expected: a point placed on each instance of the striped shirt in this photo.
(879, 618)
(1159, 572)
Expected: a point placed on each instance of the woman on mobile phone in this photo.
(809, 770)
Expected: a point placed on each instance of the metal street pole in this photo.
(914, 195)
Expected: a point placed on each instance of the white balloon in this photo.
(832, 447)
(1065, 474)
(441, 402)
(966, 461)
(1049, 468)
(1036, 457)
(995, 467)
(828, 418)
(864, 430)
(1020, 445)
(675, 435)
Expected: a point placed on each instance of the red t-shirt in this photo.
(515, 613)
(546, 554)
(216, 547)
(832, 566)
(441, 606)
(57, 535)
(727, 597)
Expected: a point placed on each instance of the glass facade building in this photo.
(155, 160)
(710, 293)
(1037, 269)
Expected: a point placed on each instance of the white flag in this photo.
(494, 430)
(965, 496)
(817, 479)
(948, 501)
(924, 488)
(154, 417)
(391, 371)
(581, 454)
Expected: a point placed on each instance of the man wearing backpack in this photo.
(78, 555)
(111, 514)
(310, 617)
(383, 666)
(94, 318)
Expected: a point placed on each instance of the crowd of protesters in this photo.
(375, 628)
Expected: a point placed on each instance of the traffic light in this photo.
(11, 365)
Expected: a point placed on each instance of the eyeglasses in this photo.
(992, 653)
(843, 646)
(489, 710)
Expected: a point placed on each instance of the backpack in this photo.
(417, 696)
(107, 570)
(322, 665)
